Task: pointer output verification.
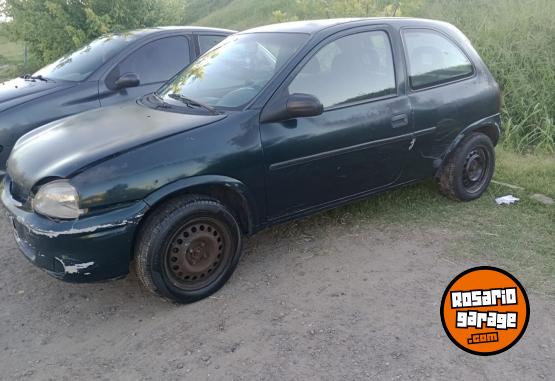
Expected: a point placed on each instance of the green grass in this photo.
(518, 237)
(244, 14)
(11, 58)
(516, 39)
(11, 52)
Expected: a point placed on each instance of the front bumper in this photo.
(92, 248)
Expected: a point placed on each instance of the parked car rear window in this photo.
(79, 65)
(350, 69)
(234, 72)
(206, 42)
(158, 60)
(433, 59)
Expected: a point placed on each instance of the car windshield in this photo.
(79, 65)
(234, 72)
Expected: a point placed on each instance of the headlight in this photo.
(58, 199)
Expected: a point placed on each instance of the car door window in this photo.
(158, 60)
(433, 59)
(206, 42)
(354, 68)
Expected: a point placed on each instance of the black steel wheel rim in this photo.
(476, 168)
(197, 253)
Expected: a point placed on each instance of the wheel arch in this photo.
(489, 126)
(229, 191)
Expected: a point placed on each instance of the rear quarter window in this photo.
(206, 42)
(433, 59)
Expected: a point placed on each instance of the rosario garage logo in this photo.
(485, 310)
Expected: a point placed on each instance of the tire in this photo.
(467, 172)
(187, 249)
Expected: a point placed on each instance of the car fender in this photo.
(490, 126)
(199, 184)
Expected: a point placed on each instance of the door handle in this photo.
(400, 120)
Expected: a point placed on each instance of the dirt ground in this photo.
(316, 299)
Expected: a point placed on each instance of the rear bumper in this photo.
(89, 249)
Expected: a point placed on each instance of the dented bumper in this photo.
(92, 248)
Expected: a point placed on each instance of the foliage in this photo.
(516, 39)
(314, 9)
(241, 14)
(11, 57)
(52, 28)
(194, 10)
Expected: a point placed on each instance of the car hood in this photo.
(63, 147)
(19, 90)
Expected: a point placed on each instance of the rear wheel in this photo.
(468, 170)
(188, 248)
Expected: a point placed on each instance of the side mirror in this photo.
(127, 80)
(293, 106)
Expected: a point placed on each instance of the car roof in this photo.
(190, 29)
(314, 26)
(140, 33)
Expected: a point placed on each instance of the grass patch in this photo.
(519, 237)
(516, 39)
(244, 14)
(11, 58)
(10, 52)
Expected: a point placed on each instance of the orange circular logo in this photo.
(485, 310)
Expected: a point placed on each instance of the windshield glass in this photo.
(234, 72)
(79, 65)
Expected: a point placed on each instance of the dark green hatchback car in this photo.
(273, 123)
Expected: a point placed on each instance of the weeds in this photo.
(516, 39)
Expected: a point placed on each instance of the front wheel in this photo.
(468, 170)
(188, 248)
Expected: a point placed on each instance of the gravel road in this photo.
(319, 299)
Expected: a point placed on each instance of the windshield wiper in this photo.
(192, 103)
(34, 77)
(160, 101)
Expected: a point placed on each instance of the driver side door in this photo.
(357, 145)
(154, 63)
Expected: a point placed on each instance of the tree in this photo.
(52, 28)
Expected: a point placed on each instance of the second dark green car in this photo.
(272, 124)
